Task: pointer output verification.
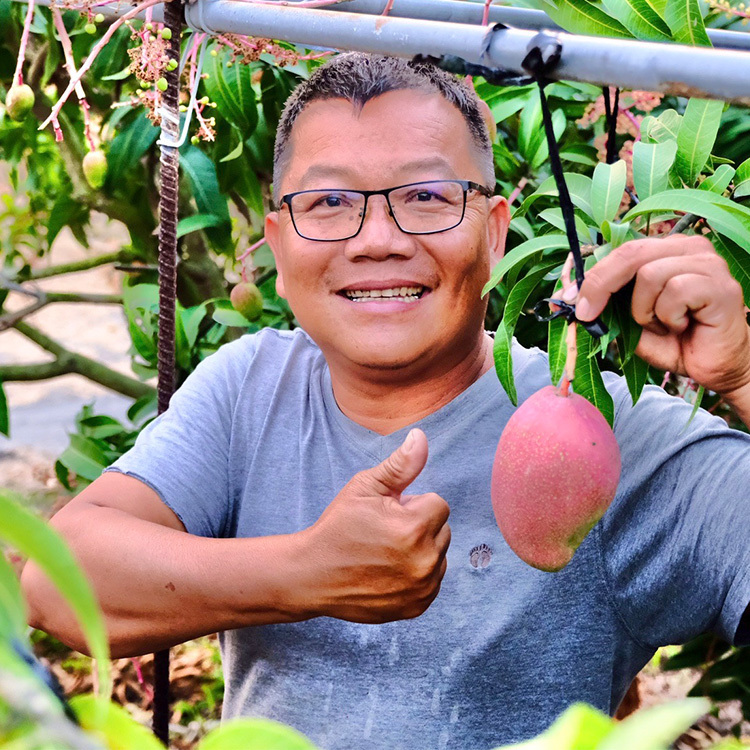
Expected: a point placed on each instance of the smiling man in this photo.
(286, 498)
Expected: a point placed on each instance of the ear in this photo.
(273, 237)
(497, 227)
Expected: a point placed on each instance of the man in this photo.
(317, 528)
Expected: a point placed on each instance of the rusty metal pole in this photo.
(168, 210)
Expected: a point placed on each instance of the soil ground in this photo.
(41, 415)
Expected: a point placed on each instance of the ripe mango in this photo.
(556, 472)
(247, 299)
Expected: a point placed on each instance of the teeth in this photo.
(408, 293)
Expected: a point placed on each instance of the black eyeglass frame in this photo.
(465, 184)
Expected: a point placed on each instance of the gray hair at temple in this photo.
(359, 77)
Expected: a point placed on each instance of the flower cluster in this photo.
(248, 49)
(627, 122)
(733, 11)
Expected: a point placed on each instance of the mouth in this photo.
(406, 293)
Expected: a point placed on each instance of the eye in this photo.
(424, 196)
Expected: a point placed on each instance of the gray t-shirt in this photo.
(254, 444)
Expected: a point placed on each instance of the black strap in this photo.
(611, 111)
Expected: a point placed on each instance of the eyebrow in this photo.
(324, 171)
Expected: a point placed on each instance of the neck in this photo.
(386, 402)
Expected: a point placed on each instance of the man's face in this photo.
(398, 138)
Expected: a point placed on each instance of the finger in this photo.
(661, 350)
(400, 469)
(615, 270)
(684, 298)
(432, 508)
(652, 278)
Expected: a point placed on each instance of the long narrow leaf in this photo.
(651, 165)
(639, 18)
(607, 187)
(504, 335)
(684, 19)
(36, 540)
(696, 137)
(521, 254)
(588, 379)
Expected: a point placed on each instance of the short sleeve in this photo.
(675, 544)
(183, 454)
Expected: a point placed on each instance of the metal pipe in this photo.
(670, 68)
(461, 11)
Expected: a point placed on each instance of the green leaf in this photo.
(558, 330)
(84, 457)
(65, 211)
(742, 180)
(100, 427)
(579, 187)
(120, 75)
(521, 254)
(615, 233)
(113, 724)
(696, 405)
(196, 222)
(582, 17)
(665, 127)
(639, 18)
(232, 90)
(235, 153)
(580, 153)
(12, 603)
(504, 335)
(34, 539)
(684, 19)
(607, 187)
(651, 165)
(4, 412)
(532, 140)
(204, 184)
(636, 376)
(655, 728)
(719, 181)
(508, 102)
(255, 734)
(738, 261)
(725, 216)
(228, 316)
(143, 408)
(588, 380)
(127, 148)
(554, 216)
(696, 137)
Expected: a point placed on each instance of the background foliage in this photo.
(684, 163)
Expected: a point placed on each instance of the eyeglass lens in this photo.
(338, 214)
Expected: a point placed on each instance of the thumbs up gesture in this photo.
(379, 554)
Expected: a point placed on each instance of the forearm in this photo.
(158, 586)
(739, 400)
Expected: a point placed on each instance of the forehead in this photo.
(398, 137)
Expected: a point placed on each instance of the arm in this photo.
(374, 555)
(158, 585)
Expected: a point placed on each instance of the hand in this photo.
(690, 307)
(379, 555)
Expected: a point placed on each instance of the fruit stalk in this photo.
(70, 66)
(88, 62)
(18, 75)
(571, 342)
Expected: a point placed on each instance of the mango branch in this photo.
(88, 62)
(71, 68)
(18, 75)
(67, 362)
(121, 256)
(46, 298)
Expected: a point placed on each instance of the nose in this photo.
(380, 237)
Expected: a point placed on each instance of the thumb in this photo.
(401, 468)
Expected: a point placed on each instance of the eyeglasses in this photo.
(417, 208)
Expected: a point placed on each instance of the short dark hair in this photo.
(359, 77)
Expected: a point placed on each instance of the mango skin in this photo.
(19, 102)
(247, 299)
(556, 472)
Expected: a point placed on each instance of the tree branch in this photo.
(121, 256)
(71, 362)
(45, 298)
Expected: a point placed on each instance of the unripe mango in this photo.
(19, 102)
(247, 299)
(556, 472)
(95, 168)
